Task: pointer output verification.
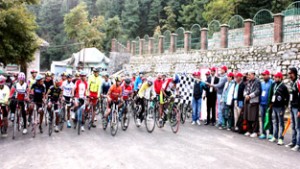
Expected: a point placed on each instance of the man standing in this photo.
(294, 100)
(219, 88)
(197, 97)
(280, 100)
(264, 104)
(227, 99)
(251, 108)
(211, 95)
(238, 98)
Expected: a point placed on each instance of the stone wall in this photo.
(117, 60)
(276, 57)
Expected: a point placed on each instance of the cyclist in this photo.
(168, 89)
(106, 84)
(77, 77)
(54, 94)
(31, 81)
(68, 93)
(38, 89)
(94, 84)
(63, 78)
(80, 94)
(113, 95)
(18, 94)
(138, 82)
(4, 95)
(48, 80)
(144, 90)
(126, 94)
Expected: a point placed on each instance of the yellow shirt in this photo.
(94, 84)
(143, 89)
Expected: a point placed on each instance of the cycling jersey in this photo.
(94, 84)
(48, 84)
(30, 82)
(105, 87)
(19, 91)
(67, 88)
(4, 94)
(38, 92)
(54, 93)
(168, 85)
(145, 87)
(127, 91)
(80, 89)
(115, 92)
(158, 85)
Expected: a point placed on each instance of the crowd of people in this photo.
(235, 100)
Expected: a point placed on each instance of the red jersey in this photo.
(80, 88)
(158, 85)
(126, 91)
(115, 92)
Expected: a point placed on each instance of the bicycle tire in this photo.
(34, 124)
(183, 113)
(135, 114)
(78, 121)
(62, 119)
(114, 122)
(15, 127)
(150, 114)
(125, 116)
(46, 116)
(50, 126)
(174, 124)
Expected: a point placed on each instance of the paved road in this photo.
(193, 147)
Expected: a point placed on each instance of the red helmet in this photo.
(33, 71)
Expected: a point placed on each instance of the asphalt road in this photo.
(192, 148)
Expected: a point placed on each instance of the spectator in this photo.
(280, 101)
(295, 118)
(199, 86)
(251, 108)
(227, 98)
(238, 98)
(211, 95)
(264, 104)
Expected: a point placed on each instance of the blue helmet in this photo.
(39, 77)
(176, 78)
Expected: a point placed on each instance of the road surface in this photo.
(193, 147)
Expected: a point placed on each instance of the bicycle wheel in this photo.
(150, 119)
(78, 120)
(90, 120)
(183, 113)
(15, 125)
(135, 114)
(114, 122)
(34, 123)
(174, 119)
(125, 119)
(50, 127)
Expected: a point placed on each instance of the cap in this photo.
(213, 69)
(230, 74)
(266, 72)
(224, 68)
(207, 73)
(238, 74)
(197, 74)
(279, 75)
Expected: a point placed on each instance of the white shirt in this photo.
(67, 88)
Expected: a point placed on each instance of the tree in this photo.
(170, 22)
(130, 18)
(18, 40)
(110, 8)
(154, 15)
(192, 13)
(78, 27)
(113, 29)
(92, 8)
(219, 10)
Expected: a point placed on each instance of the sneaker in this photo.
(94, 125)
(270, 136)
(253, 135)
(193, 122)
(82, 128)
(24, 131)
(41, 129)
(247, 134)
(12, 116)
(228, 129)
(69, 125)
(56, 129)
(95, 119)
(126, 123)
(138, 122)
(236, 129)
(262, 136)
(4, 135)
(296, 148)
(273, 139)
(290, 145)
(280, 142)
(220, 128)
(198, 122)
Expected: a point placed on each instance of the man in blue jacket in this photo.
(138, 82)
(264, 104)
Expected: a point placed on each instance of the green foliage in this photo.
(170, 22)
(192, 13)
(131, 19)
(219, 10)
(18, 40)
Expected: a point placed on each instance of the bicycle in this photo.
(171, 113)
(114, 118)
(62, 119)
(35, 121)
(3, 128)
(89, 115)
(103, 104)
(136, 111)
(150, 116)
(78, 118)
(18, 120)
(66, 106)
(125, 117)
(52, 115)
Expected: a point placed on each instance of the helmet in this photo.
(2, 80)
(21, 76)
(117, 79)
(33, 71)
(96, 70)
(176, 79)
(105, 74)
(69, 75)
(48, 73)
(39, 77)
(150, 81)
(127, 81)
(77, 74)
(63, 74)
(82, 73)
